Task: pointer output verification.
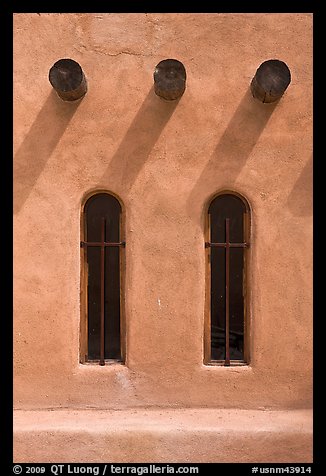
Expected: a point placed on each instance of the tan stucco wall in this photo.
(165, 161)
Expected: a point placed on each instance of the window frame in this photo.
(83, 331)
(247, 237)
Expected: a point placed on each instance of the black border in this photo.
(318, 386)
(232, 6)
(6, 28)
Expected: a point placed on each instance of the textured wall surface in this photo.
(164, 160)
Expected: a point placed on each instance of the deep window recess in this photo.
(102, 247)
(226, 332)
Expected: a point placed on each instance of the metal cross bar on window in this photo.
(227, 245)
(102, 244)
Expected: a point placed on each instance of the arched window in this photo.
(227, 321)
(102, 330)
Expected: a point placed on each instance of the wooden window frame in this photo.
(247, 235)
(83, 334)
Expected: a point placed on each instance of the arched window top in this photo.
(102, 197)
(227, 206)
(97, 207)
(231, 198)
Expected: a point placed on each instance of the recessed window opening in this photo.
(102, 256)
(226, 332)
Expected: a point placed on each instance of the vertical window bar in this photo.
(227, 292)
(102, 334)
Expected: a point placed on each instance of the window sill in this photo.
(234, 367)
(221, 363)
(107, 362)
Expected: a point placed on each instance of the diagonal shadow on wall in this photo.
(300, 200)
(139, 140)
(38, 145)
(233, 149)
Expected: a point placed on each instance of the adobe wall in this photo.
(165, 161)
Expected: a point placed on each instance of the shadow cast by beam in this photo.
(38, 145)
(139, 140)
(300, 200)
(233, 149)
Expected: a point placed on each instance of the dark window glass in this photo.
(225, 207)
(103, 210)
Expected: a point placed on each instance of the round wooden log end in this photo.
(270, 81)
(170, 79)
(68, 79)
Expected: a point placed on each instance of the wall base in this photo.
(162, 436)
